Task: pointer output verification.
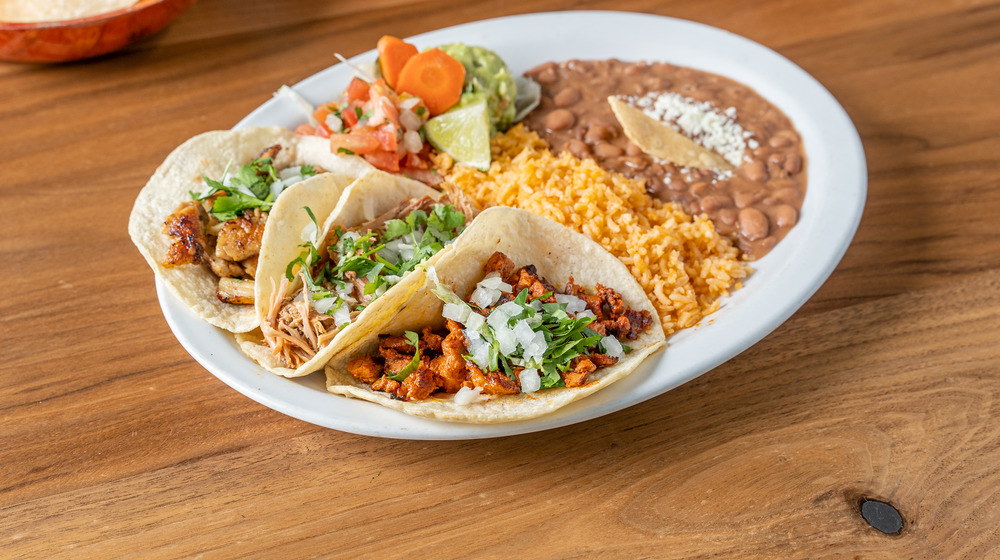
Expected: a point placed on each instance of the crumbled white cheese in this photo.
(699, 121)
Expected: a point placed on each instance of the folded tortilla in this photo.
(209, 154)
(558, 253)
(657, 139)
(370, 196)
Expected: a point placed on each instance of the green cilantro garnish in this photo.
(345, 151)
(411, 367)
(325, 270)
(249, 187)
(565, 337)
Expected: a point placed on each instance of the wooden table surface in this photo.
(114, 442)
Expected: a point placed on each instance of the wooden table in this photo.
(885, 385)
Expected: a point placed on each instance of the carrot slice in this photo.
(435, 77)
(392, 56)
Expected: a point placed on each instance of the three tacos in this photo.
(307, 264)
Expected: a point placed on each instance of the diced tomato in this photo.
(354, 142)
(391, 112)
(352, 114)
(414, 161)
(323, 131)
(357, 90)
(305, 130)
(386, 161)
(386, 135)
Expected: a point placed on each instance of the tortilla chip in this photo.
(558, 253)
(208, 154)
(659, 140)
(371, 195)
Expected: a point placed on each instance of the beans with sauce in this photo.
(757, 204)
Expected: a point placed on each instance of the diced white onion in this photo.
(574, 304)
(323, 305)
(277, 187)
(510, 308)
(506, 339)
(586, 313)
(524, 333)
(334, 123)
(530, 381)
(497, 318)
(412, 142)
(475, 322)
(409, 103)
(456, 312)
(342, 315)
(409, 119)
(612, 347)
(471, 334)
(493, 281)
(289, 172)
(466, 396)
(406, 251)
(480, 350)
(352, 235)
(484, 297)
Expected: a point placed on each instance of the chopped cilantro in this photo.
(249, 187)
(354, 258)
(345, 151)
(565, 337)
(411, 367)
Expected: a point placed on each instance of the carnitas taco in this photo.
(200, 219)
(325, 282)
(514, 322)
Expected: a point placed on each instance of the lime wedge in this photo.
(464, 134)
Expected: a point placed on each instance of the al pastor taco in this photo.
(514, 322)
(200, 219)
(327, 281)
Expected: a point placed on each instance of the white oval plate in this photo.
(784, 279)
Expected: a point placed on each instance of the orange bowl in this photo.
(60, 41)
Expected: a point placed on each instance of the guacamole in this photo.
(486, 77)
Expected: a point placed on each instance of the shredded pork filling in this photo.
(294, 329)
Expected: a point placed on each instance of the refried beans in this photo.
(756, 204)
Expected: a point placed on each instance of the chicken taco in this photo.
(326, 281)
(200, 219)
(514, 322)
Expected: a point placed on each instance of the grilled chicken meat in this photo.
(230, 249)
(186, 227)
(234, 290)
(239, 239)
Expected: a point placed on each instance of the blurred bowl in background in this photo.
(61, 41)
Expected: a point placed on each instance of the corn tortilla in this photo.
(558, 253)
(371, 195)
(209, 154)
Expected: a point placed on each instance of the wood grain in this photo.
(115, 443)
